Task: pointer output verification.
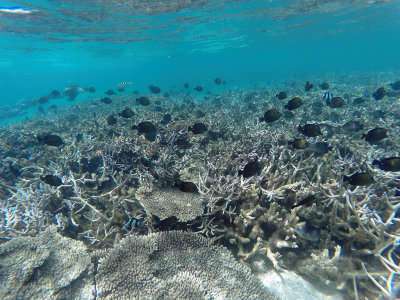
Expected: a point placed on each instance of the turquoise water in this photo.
(96, 44)
(300, 192)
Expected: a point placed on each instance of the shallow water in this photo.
(236, 177)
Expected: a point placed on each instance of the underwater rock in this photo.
(51, 140)
(375, 135)
(388, 164)
(293, 103)
(271, 115)
(359, 179)
(310, 130)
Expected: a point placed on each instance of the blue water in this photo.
(167, 43)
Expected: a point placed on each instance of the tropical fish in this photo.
(324, 86)
(281, 95)
(328, 96)
(359, 179)
(308, 201)
(127, 113)
(51, 180)
(388, 164)
(311, 130)
(154, 89)
(379, 93)
(375, 135)
(308, 232)
(271, 115)
(250, 169)
(124, 84)
(308, 86)
(198, 128)
(299, 143)
(293, 103)
(51, 140)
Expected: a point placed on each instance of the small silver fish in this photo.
(124, 84)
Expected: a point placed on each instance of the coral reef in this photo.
(344, 235)
(47, 266)
(174, 265)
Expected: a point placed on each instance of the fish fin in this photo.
(376, 162)
(346, 178)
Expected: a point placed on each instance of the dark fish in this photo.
(154, 89)
(145, 127)
(271, 115)
(308, 86)
(305, 202)
(200, 113)
(379, 93)
(251, 169)
(54, 108)
(182, 143)
(320, 147)
(293, 103)
(132, 223)
(51, 140)
(353, 126)
(217, 81)
(43, 100)
(127, 113)
(79, 137)
(14, 170)
(54, 94)
(388, 164)
(143, 101)
(281, 95)
(106, 100)
(299, 143)
(375, 135)
(188, 187)
(186, 85)
(396, 85)
(335, 102)
(359, 179)
(327, 96)
(111, 120)
(324, 86)
(92, 90)
(109, 92)
(51, 180)
(198, 88)
(166, 119)
(166, 95)
(311, 130)
(359, 101)
(150, 136)
(71, 92)
(198, 128)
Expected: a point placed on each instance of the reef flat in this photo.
(291, 177)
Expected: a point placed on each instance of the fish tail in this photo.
(376, 162)
(346, 178)
(261, 119)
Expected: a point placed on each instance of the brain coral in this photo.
(174, 265)
(168, 202)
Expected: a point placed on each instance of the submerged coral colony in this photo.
(304, 177)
